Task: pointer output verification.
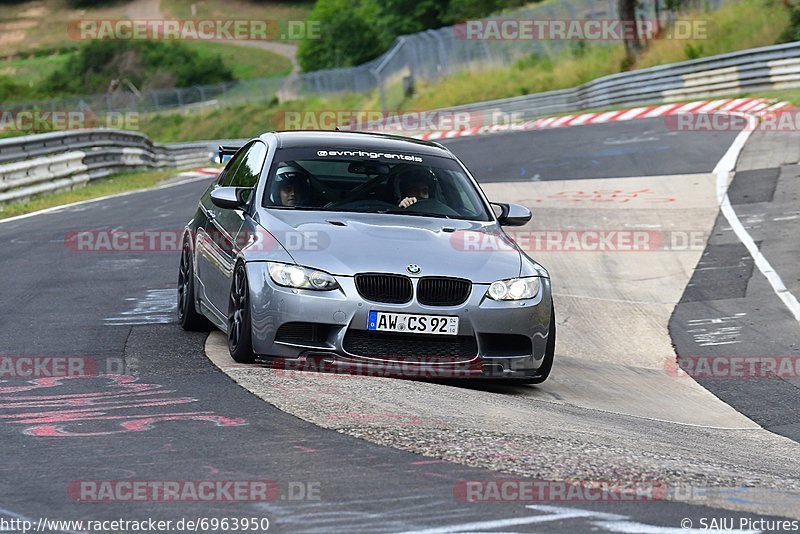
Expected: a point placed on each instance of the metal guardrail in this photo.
(758, 69)
(45, 163)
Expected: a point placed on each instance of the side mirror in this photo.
(512, 214)
(229, 198)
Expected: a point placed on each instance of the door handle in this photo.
(211, 215)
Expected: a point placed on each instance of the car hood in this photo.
(351, 243)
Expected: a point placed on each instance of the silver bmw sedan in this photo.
(364, 253)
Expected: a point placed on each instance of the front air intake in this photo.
(389, 288)
(440, 291)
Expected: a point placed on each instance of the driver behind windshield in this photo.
(290, 187)
(415, 185)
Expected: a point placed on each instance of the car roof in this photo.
(358, 140)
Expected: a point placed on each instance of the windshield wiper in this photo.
(312, 208)
(415, 213)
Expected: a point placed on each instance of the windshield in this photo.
(353, 180)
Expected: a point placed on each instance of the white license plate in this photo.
(412, 323)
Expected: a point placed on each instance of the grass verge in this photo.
(119, 183)
(241, 121)
(281, 11)
(246, 62)
(789, 95)
(737, 26)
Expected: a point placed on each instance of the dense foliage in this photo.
(792, 33)
(147, 65)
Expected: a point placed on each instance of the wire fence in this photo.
(424, 56)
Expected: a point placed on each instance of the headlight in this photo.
(298, 277)
(514, 289)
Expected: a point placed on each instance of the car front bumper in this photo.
(497, 339)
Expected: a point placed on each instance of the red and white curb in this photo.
(755, 106)
(205, 171)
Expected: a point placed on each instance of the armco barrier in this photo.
(50, 162)
(747, 71)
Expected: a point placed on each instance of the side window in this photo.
(247, 174)
(231, 167)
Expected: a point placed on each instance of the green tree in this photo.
(460, 10)
(633, 46)
(402, 17)
(348, 35)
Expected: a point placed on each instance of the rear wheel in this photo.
(188, 317)
(240, 339)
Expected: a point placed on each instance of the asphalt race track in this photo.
(366, 454)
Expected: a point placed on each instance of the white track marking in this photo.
(107, 197)
(156, 307)
(557, 513)
(604, 520)
(722, 172)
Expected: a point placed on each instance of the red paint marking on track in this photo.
(50, 421)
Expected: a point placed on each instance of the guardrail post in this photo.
(379, 82)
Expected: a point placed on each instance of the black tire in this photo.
(549, 355)
(240, 337)
(188, 317)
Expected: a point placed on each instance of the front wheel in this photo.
(240, 338)
(188, 317)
